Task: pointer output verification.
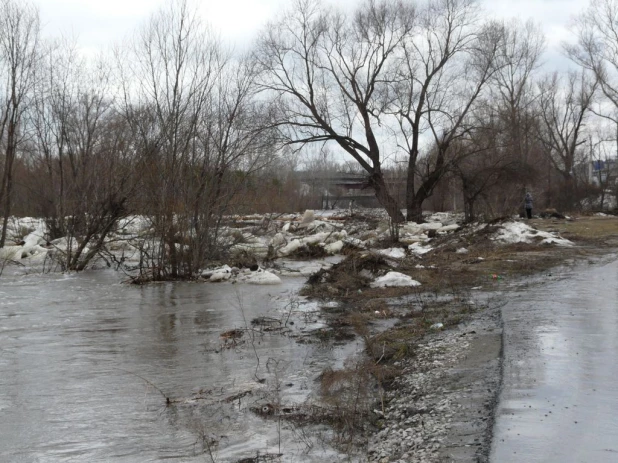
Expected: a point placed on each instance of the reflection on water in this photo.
(85, 363)
(560, 391)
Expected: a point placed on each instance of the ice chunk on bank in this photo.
(318, 238)
(261, 277)
(448, 228)
(221, 274)
(290, 247)
(519, 232)
(278, 240)
(308, 217)
(392, 279)
(11, 252)
(419, 249)
(334, 248)
(36, 237)
(23, 252)
(393, 253)
(431, 226)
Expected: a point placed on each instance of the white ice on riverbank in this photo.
(419, 249)
(235, 275)
(393, 253)
(259, 277)
(393, 279)
(269, 235)
(519, 232)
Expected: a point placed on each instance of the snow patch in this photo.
(519, 232)
(334, 248)
(448, 228)
(260, 277)
(308, 217)
(393, 253)
(431, 226)
(220, 274)
(392, 279)
(419, 249)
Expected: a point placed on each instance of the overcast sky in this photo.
(101, 23)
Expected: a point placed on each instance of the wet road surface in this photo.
(559, 401)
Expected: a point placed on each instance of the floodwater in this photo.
(560, 385)
(86, 363)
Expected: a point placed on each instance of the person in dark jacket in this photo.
(528, 204)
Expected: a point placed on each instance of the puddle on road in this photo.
(85, 362)
(560, 393)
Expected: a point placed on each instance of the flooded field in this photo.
(88, 366)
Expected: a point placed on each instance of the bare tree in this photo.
(198, 131)
(444, 69)
(487, 165)
(234, 145)
(597, 48)
(513, 95)
(596, 51)
(167, 75)
(326, 74)
(19, 40)
(389, 72)
(54, 99)
(563, 110)
(82, 151)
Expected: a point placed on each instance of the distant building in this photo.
(341, 190)
(599, 172)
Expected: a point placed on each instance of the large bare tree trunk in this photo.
(7, 182)
(385, 198)
(19, 36)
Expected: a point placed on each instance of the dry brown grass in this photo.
(346, 279)
(446, 270)
(583, 228)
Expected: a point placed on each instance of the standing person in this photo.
(528, 205)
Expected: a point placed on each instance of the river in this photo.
(86, 362)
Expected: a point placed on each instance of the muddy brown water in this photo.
(559, 401)
(83, 357)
